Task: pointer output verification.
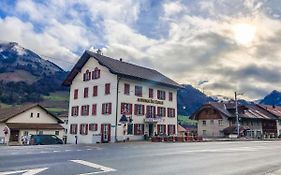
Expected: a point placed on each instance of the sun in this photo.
(244, 33)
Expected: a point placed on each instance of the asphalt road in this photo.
(215, 158)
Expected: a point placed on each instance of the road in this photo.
(214, 158)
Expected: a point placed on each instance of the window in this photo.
(85, 110)
(86, 92)
(73, 129)
(93, 127)
(161, 129)
(204, 122)
(161, 95)
(130, 129)
(220, 122)
(40, 132)
(107, 88)
(170, 96)
(25, 133)
(204, 132)
(75, 111)
(96, 73)
(38, 115)
(161, 111)
(75, 93)
(138, 129)
(31, 115)
(171, 112)
(138, 91)
(94, 109)
(150, 111)
(87, 76)
(83, 129)
(57, 133)
(139, 109)
(171, 129)
(126, 108)
(150, 93)
(126, 89)
(95, 91)
(211, 122)
(106, 108)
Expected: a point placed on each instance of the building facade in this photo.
(111, 100)
(218, 119)
(25, 121)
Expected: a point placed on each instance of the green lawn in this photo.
(56, 110)
(57, 96)
(185, 120)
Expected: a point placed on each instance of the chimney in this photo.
(121, 59)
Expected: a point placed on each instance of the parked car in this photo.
(44, 140)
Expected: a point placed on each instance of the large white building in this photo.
(111, 100)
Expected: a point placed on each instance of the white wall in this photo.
(24, 117)
(78, 83)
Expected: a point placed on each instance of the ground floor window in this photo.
(73, 129)
(93, 127)
(130, 129)
(83, 129)
(161, 129)
(138, 129)
(40, 132)
(57, 133)
(171, 129)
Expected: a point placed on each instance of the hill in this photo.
(25, 76)
(274, 98)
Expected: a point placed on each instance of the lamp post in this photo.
(237, 113)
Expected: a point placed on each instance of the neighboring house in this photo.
(217, 119)
(182, 132)
(112, 100)
(26, 120)
(275, 110)
(64, 118)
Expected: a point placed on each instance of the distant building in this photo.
(112, 100)
(217, 119)
(26, 120)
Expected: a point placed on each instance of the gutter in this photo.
(116, 115)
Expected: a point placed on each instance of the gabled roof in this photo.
(275, 110)
(7, 113)
(122, 69)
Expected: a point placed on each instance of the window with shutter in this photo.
(126, 108)
(95, 91)
(85, 110)
(73, 129)
(126, 89)
(107, 88)
(138, 129)
(96, 73)
(161, 111)
(139, 109)
(86, 91)
(150, 93)
(76, 94)
(161, 95)
(170, 96)
(138, 91)
(106, 108)
(94, 109)
(74, 111)
(83, 129)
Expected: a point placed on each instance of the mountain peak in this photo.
(274, 98)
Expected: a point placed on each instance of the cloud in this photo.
(189, 41)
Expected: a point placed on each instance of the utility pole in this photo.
(237, 115)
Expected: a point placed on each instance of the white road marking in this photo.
(102, 169)
(89, 149)
(56, 151)
(24, 172)
(67, 150)
(79, 150)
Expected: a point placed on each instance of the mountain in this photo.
(274, 98)
(190, 99)
(25, 76)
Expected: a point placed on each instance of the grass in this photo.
(57, 96)
(185, 120)
(56, 110)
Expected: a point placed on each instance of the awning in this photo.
(36, 126)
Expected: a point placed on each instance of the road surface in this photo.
(144, 158)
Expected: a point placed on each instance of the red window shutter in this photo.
(150, 93)
(142, 109)
(94, 109)
(80, 129)
(135, 109)
(158, 111)
(126, 89)
(142, 129)
(95, 91)
(110, 108)
(84, 77)
(158, 94)
(103, 107)
(88, 110)
(75, 93)
(101, 131)
(164, 112)
(130, 108)
(107, 88)
(164, 95)
(86, 133)
(91, 127)
(98, 73)
(72, 111)
(170, 96)
(96, 126)
(122, 108)
(86, 92)
(135, 129)
(164, 129)
(109, 132)
(158, 129)
(169, 132)
(82, 108)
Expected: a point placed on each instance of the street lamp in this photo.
(236, 113)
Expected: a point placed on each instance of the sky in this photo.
(219, 46)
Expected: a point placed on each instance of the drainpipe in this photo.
(116, 116)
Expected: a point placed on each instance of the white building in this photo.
(27, 120)
(105, 91)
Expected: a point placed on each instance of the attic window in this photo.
(87, 76)
(96, 73)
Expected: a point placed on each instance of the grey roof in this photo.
(122, 69)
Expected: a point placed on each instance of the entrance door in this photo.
(150, 129)
(14, 137)
(105, 133)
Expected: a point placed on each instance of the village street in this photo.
(219, 158)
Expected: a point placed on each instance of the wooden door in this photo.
(14, 136)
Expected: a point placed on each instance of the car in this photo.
(45, 140)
